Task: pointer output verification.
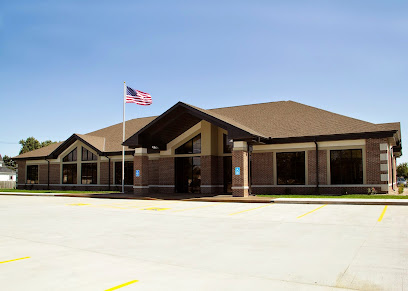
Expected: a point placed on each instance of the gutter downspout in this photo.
(48, 174)
(317, 168)
(109, 178)
(249, 170)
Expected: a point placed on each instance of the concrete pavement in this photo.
(98, 244)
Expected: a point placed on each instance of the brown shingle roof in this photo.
(283, 119)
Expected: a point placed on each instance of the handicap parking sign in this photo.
(137, 173)
(237, 171)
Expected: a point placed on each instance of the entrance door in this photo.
(227, 166)
(188, 174)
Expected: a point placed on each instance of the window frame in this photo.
(38, 174)
(304, 181)
(116, 168)
(180, 151)
(359, 180)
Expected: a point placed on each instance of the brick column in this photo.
(240, 186)
(141, 166)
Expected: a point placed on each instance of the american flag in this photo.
(138, 97)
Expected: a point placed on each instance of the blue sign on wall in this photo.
(237, 171)
(137, 173)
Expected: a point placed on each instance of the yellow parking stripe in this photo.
(196, 207)
(382, 214)
(249, 209)
(312, 211)
(14, 260)
(122, 285)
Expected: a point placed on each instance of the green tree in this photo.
(402, 170)
(9, 162)
(32, 143)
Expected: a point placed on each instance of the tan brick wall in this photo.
(262, 168)
(312, 167)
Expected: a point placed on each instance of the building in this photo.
(7, 176)
(269, 148)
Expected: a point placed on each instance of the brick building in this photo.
(270, 148)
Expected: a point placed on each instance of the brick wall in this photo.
(373, 172)
(55, 171)
(141, 163)
(166, 175)
(153, 172)
(240, 159)
(21, 172)
(104, 173)
(322, 167)
(262, 168)
(43, 174)
(210, 174)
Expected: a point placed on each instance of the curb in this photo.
(348, 202)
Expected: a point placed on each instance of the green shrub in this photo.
(401, 189)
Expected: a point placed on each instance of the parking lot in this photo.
(60, 243)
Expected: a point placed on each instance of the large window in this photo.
(71, 157)
(32, 174)
(291, 168)
(128, 173)
(69, 173)
(87, 155)
(346, 167)
(89, 173)
(193, 146)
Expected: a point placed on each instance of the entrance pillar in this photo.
(140, 172)
(240, 185)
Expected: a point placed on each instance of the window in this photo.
(32, 174)
(87, 155)
(128, 173)
(291, 168)
(69, 173)
(193, 146)
(227, 144)
(89, 173)
(71, 157)
(346, 167)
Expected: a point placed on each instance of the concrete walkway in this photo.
(222, 198)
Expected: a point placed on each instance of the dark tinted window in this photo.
(69, 173)
(128, 173)
(346, 167)
(32, 174)
(291, 168)
(227, 144)
(87, 155)
(193, 146)
(89, 173)
(71, 157)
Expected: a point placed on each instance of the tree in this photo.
(32, 143)
(9, 162)
(402, 170)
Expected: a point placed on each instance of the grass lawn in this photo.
(348, 196)
(55, 191)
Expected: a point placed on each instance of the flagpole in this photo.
(123, 147)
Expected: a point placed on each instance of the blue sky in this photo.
(63, 63)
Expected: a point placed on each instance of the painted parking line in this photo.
(382, 214)
(312, 211)
(156, 208)
(249, 209)
(192, 208)
(122, 285)
(14, 260)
